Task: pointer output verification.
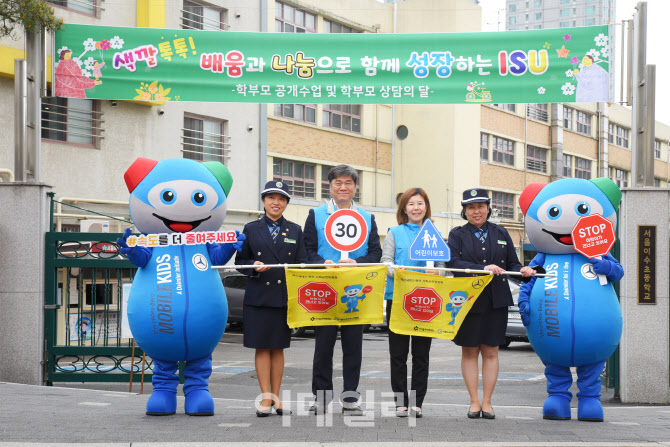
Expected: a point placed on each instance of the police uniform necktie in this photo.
(274, 231)
(481, 235)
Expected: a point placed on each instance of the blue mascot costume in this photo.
(571, 319)
(177, 309)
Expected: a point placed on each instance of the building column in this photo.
(644, 363)
(603, 140)
(556, 142)
(25, 220)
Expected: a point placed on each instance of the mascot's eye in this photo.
(583, 208)
(198, 198)
(554, 212)
(168, 196)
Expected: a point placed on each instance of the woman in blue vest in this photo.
(270, 240)
(413, 210)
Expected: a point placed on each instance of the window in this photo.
(342, 116)
(512, 8)
(657, 182)
(504, 203)
(289, 19)
(527, 17)
(508, 107)
(657, 149)
(297, 175)
(84, 6)
(567, 118)
(538, 3)
(334, 27)
(537, 112)
(72, 120)
(197, 16)
(622, 136)
(299, 112)
(205, 139)
(102, 292)
(484, 147)
(536, 159)
(567, 166)
(590, 10)
(565, 24)
(537, 27)
(582, 168)
(512, 20)
(538, 16)
(565, 2)
(583, 123)
(619, 176)
(610, 133)
(503, 151)
(565, 13)
(325, 184)
(590, 22)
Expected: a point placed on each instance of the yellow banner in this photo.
(433, 306)
(339, 296)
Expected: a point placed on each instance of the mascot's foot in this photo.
(162, 403)
(590, 409)
(199, 403)
(556, 408)
(347, 311)
(355, 310)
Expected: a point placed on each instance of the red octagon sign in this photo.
(593, 236)
(317, 297)
(422, 304)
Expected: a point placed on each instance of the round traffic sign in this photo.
(367, 289)
(593, 236)
(346, 230)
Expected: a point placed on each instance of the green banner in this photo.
(535, 66)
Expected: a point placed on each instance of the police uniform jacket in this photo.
(467, 252)
(269, 288)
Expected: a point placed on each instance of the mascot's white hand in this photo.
(121, 242)
(241, 237)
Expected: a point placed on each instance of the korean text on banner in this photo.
(339, 296)
(153, 64)
(433, 306)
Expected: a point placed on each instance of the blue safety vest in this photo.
(403, 235)
(321, 215)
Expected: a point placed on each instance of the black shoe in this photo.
(317, 409)
(474, 414)
(281, 411)
(416, 412)
(487, 415)
(264, 413)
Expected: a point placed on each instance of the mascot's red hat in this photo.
(528, 195)
(137, 171)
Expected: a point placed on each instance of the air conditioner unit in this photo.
(94, 226)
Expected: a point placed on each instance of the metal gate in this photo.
(84, 284)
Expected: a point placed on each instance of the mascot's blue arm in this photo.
(609, 267)
(526, 287)
(221, 254)
(139, 256)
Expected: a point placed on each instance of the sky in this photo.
(657, 13)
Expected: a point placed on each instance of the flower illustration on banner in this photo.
(89, 44)
(116, 42)
(595, 54)
(601, 40)
(86, 73)
(604, 51)
(152, 92)
(568, 89)
(546, 45)
(569, 73)
(89, 63)
(78, 61)
(541, 90)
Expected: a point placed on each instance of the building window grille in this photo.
(503, 151)
(567, 118)
(622, 136)
(342, 116)
(297, 175)
(508, 107)
(583, 123)
(504, 203)
(71, 120)
(537, 112)
(205, 139)
(198, 16)
(567, 166)
(536, 159)
(619, 176)
(484, 147)
(582, 168)
(299, 112)
(289, 19)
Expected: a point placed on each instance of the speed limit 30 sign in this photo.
(346, 230)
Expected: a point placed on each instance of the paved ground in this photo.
(108, 413)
